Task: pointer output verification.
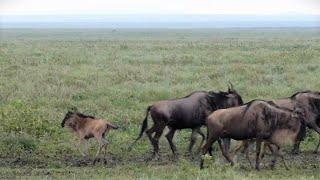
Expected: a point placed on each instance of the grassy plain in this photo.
(116, 73)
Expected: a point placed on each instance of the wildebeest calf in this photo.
(259, 120)
(87, 127)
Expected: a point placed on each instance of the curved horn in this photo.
(231, 86)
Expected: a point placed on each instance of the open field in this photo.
(116, 74)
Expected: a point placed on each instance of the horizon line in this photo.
(160, 14)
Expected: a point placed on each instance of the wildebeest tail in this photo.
(112, 126)
(144, 123)
(143, 127)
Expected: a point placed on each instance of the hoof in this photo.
(295, 152)
(95, 160)
(154, 156)
(201, 164)
(175, 157)
(257, 167)
(272, 166)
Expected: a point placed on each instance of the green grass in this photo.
(116, 74)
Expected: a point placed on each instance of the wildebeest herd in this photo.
(271, 123)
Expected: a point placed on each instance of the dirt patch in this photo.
(304, 160)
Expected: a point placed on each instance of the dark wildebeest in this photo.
(87, 127)
(187, 112)
(309, 102)
(259, 120)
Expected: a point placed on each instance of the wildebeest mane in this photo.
(70, 114)
(193, 93)
(84, 116)
(187, 95)
(218, 99)
(249, 104)
(299, 92)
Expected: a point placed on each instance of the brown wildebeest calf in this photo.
(87, 127)
(259, 120)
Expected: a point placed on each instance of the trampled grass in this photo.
(116, 74)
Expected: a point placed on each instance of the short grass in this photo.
(116, 73)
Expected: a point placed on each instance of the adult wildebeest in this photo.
(259, 120)
(309, 102)
(187, 112)
(87, 127)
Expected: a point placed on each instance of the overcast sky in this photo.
(258, 7)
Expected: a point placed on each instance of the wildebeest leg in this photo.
(238, 148)
(105, 150)
(246, 151)
(101, 146)
(82, 142)
(278, 152)
(210, 150)
(264, 149)
(225, 153)
(149, 133)
(206, 148)
(193, 139)
(317, 129)
(258, 149)
(274, 160)
(86, 149)
(316, 149)
(203, 138)
(296, 147)
(169, 137)
(159, 131)
(226, 144)
(299, 138)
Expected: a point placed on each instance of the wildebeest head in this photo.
(66, 117)
(227, 99)
(298, 112)
(309, 101)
